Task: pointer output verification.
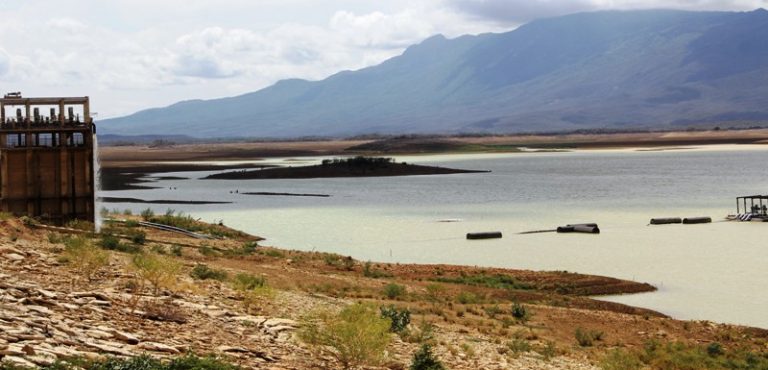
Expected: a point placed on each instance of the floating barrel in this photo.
(579, 228)
(697, 220)
(485, 235)
(666, 220)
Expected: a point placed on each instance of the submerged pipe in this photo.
(484, 235)
(697, 220)
(666, 220)
(579, 228)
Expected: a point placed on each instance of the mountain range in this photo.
(611, 69)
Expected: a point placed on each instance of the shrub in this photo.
(147, 214)
(424, 359)
(164, 311)
(370, 272)
(247, 249)
(358, 334)
(84, 257)
(245, 281)
(548, 351)
(207, 251)
(467, 298)
(138, 237)
(619, 359)
(131, 223)
(158, 270)
(399, 318)
(586, 338)
(176, 250)
(520, 313)
(394, 291)
(109, 241)
(492, 311)
(715, 349)
(518, 346)
(203, 272)
(55, 238)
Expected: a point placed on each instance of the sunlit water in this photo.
(713, 271)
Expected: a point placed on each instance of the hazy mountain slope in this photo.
(604, 69)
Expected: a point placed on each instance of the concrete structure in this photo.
(46, 161)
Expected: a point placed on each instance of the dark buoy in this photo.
(697, 220)
(666, 220)
(579, 228)
(485, 235)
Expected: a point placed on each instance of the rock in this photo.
(158, 347)
(280, 322)
(98, 334)
(28, 350)
(229, 349)
(126, 337)
(275, 330)
(40, 309)
(109, 347)
(14, 257)
(47, 294)
(20, 362)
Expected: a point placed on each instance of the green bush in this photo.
(203, 272)
(358, 334)
(394, 291)
(467, 298)
(518, 346)
(369, 271)
(520, 313)
(147, 214)
(138, 237)
(424, 359)
(176, 250)
(619, 359)
(160, 271)
(399, 318)
(245, 282)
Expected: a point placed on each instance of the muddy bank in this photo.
(161, 201)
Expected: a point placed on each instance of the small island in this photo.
(341, 167)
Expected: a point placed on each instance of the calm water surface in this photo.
(714, 271)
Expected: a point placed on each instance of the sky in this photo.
(129, 55)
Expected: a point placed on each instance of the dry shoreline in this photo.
(468, 333)
(142, 156)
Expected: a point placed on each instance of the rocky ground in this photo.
(48, 313)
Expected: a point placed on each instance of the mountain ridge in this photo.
(609, 69)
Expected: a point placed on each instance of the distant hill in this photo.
(614, 69)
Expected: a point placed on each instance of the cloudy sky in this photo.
(134, 54)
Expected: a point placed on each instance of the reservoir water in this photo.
(711, 271)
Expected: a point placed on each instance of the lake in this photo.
(711, 271)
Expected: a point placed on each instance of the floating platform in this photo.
(579, 228)
(484, 235)
(697, 220)
(666, 220)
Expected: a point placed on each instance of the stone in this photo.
(280, 322)
(47, 294)
(126, 337)
(109, 347)
(14, 257)
(20, 362)
(158, 347)
(98, 334)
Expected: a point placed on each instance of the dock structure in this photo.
(47, 158)
(757, 205)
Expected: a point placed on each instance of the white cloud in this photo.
(520, 11)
